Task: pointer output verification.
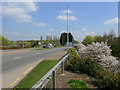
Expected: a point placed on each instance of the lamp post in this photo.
(67, 30)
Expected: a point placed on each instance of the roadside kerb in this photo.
(43, 81)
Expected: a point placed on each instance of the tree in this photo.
(98, 38)
(50, 38)
(112, 41)
(63, 38)
(41, 39)
(4, 41)
(76, 42)
(111, 34)
(47, 39)
(88, 40)
(54, 38)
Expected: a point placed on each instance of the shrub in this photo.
(88, 40)
(76, 47)
(116, 51)
(4, 41)
(99, 52)
(103, 77)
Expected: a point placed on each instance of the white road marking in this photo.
(17, 57)
(37, 53)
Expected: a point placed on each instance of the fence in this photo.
(51, 74)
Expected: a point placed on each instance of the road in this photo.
(14, 64)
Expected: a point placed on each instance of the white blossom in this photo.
(100, 52)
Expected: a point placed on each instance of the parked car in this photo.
(50, 45)
(54, 45)
(44, 46)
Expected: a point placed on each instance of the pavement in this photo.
(16, 65)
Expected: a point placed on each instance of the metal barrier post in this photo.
(43, 81)
(54, 79)
(62, 67)
(67, 59)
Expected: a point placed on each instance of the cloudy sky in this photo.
(24, 21)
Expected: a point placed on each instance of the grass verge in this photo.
(36, 74)
(77, 84)
(48, 48)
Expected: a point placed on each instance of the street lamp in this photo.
(67, 30)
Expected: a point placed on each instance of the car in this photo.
(54, 45)
(44, 46)
(49, 45)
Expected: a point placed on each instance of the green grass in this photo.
(77, 84)
(37, 73)
(48, 48)
(65, 50)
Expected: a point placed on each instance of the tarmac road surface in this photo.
(15, 64)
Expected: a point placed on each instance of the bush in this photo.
(103, 78)
(88, 40)
(99, 52)
(76, 47)
(116, 51)
(4, 41)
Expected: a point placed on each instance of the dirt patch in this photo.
(63, 79)
(56, 56)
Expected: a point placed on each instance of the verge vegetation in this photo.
(101, 78)
(112, 40)
(48, 48)
(36, 74)
(77, 84)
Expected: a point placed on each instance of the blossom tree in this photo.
(99, 52)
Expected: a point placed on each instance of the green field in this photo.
(37, 73)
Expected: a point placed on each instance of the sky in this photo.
(30, 20)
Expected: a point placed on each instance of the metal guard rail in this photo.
(41, 83)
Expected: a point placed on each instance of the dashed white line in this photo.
(37, 53)
(17, 57)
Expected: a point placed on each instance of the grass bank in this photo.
(37, 73)
(48, 48)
